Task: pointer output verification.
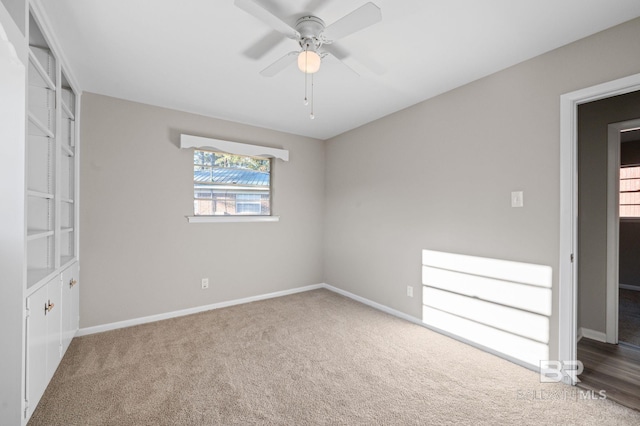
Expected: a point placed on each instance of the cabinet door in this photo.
(36, 361)
(70, 293)
(54, 323)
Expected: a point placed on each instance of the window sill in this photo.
(232, 219)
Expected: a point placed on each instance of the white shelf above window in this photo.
(189, 141)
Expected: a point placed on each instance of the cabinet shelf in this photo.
(35, 234)
(35, 276)
(67, 111)
(65, 260)
(66, 230)
(38, 194)
(41, 70)
(44, 130)
(67, 200)
(67, 149)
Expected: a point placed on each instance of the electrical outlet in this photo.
(205, 283)
(410, 291)
(517, 199)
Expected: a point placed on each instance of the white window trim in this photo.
(190, 141)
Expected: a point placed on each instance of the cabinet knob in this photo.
(49, 306)
(72, 282)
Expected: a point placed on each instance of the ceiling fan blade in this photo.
(314, 5)
(357, 20)
(254, 9)
(264, 45)
(361, 65)
(339, 55)
(280, 64)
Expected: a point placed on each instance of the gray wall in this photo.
(438, 175)
(629, 253)
(139, 256)
(593, 121)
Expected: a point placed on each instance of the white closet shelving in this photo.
(41, 160)
(51, 290)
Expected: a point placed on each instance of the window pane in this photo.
(629, 185)
(203, 207)
(630, 191)
(248, 208)
(227, 184)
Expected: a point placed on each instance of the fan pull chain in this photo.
(306, 101)
(311, 116)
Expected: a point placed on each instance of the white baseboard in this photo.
(373, 304)
(579, 336)
(189, 311)
(592, 334)
(198, 309)
(629, 287)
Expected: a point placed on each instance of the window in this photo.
(630, 192)
(231, 185)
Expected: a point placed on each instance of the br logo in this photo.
(555, 371)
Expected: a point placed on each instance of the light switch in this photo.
(517, 199)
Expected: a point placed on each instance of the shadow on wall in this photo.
(502, 305)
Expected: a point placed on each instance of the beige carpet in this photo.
(309, 358)
(629, 317)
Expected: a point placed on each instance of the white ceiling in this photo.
(196, 55)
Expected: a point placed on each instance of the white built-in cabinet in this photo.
(51, 287)
(52, 321)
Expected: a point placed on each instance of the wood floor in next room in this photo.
(614, 368)
(629, 317)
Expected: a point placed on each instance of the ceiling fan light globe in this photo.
(309, 61)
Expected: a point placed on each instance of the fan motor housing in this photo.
(309, 27)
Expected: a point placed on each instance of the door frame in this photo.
(568, 262)
(613, 225)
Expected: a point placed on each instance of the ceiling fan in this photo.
(311, 34)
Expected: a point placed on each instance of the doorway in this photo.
(608, 365)
(568, 264)
(627, 141)
(600, 126)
